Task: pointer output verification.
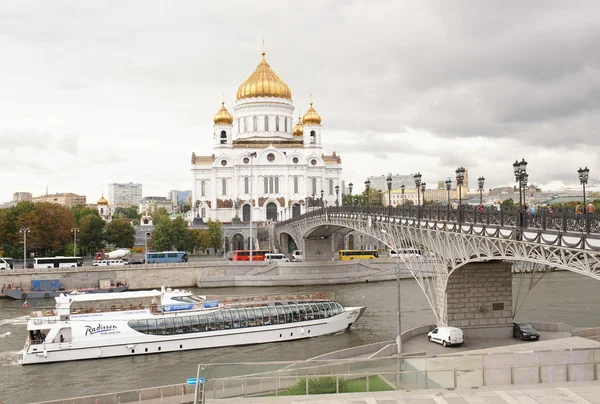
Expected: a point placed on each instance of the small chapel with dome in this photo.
(264, 165)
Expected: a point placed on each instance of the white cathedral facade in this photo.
(264, 165)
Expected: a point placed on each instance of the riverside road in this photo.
(559, 297)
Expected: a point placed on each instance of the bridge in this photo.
(468, 257)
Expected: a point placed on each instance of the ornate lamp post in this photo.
(448, 186)
(423, 187)
(402, 188)
(337, 196)
(521, 176)
(417, 177)
(388, 180)
(480, 182)
(322, 201)
(74, 230)
(24, 231)
(351, 200)
(583, 180)
(368, 187)
(460, 177)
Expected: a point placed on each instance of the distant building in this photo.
(22, 196)
(179, 197)
(66, 199)
(103, 208)
(380, 182)
(127, 194)
(150, 203)
(410, 194)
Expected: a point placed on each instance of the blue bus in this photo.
(164, 257)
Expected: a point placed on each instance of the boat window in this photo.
(178, 325)
(315, 310)
(295, 313)
(273, 312)
(251, 317)
(169, 326)
(219, 320)
(266, 315)
(259, 316)
(243, 318)
(133, 324)
(281, 314)
(203, 323)
(227, 319)
(322, 312)
(194, 324)
(235, 317)
(160, 326)
(333, 308)
(187, 322)
(212, 326)
(337, 308)
(143, 326)
(302, 310)
(288, 313)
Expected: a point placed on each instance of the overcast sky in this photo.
(94, 92)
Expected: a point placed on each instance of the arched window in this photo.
(266, 185)
(314, 186)
(255, 123)
(266, 123)
(285, 123)
(277, 123)
(224, 186)
(295, 185)
(270, 185)
(330, 187)
(246, 185)
(223, 137)
(203, 212)
(276, 185)
(203, 188)
(313, 137)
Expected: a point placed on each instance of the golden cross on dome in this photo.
(263, 45)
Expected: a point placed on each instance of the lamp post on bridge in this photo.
(337, 196)
(460, 177)
(423, 187)
(417, 178)
(480, 182)
(368, 187)
(322, 201)
(583, 180)
(388, 180)
(448, 186)
(521, 176)
(351, 200)
(402, 188)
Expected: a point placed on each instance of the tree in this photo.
(180, 236)
(161, 235)
(80, 211)
(130, 213)
(91, 233)
(120, 233)
(50, 227)
(507, 204)
(216, 234)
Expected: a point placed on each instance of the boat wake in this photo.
(14, 321)
(11, 358)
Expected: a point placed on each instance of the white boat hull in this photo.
(131, 343)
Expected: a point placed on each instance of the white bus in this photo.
(57, 262)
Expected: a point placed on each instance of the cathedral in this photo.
(264, 166)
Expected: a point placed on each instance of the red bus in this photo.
(244, 255)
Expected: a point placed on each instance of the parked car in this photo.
(405, 253)
(137, 262)
(276, 257)
(447, 336)
(297, 256)
(106, 263)
(525, 331)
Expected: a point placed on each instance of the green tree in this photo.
(80, 211)
(216, 234)
(91, 233)
(205, 240)
(180, 236)
(120, 233)
(50, 228)
(507, 204)
(130, 213)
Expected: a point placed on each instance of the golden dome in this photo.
(223, 117)
(102, 200)
(263, 82)
(298, 129)
(311, 117)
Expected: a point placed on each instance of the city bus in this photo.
(244, 255)
(346, 255)
(166, 257)
(57, 262)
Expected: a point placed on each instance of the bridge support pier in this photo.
(317, 249)
(479, 299)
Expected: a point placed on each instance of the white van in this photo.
(106, 263)
(6, 263)
(406, 253)
(447, 336)
(276, 257)
(297, 256)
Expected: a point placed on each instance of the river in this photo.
(559, 297)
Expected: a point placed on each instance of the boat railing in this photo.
(272, 299)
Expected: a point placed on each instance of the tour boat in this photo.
(103, 325)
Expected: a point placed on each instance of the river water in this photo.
(560, 296)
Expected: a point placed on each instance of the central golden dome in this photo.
(263, 82)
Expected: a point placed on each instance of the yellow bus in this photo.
(346, 255)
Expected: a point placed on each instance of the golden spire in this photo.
(311, 117)
(298, 129)
(102, 200)
(223, 116)
(263, 82)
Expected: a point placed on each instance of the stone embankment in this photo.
(217, 273)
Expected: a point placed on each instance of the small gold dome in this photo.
(298, 129)
(102, 200)
(263, 82)
(223, 117)
(311, 117)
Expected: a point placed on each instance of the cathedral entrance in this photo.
(246, 214)
(238, 242)
(295, 210)
(272, 211)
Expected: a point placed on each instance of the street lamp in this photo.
(74, 230)
(388, 180)
(337, 196)
(460, 177)
(146, 234)
(322, 202)
(24, 231)
(583, 180)
(417, 177)
(448, 185)
(423, 187)
(351, 200)
(367, 187)
(252, 154)
(521, 176)
(402, 189)
(480, 182)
